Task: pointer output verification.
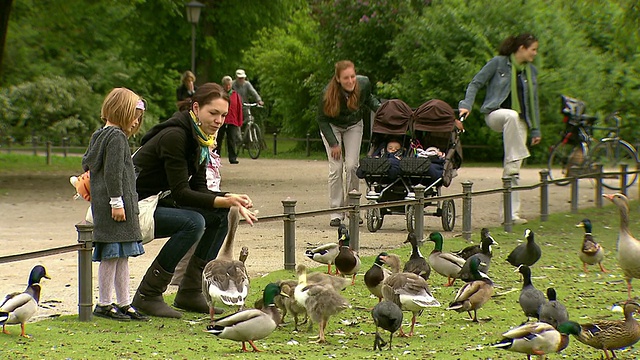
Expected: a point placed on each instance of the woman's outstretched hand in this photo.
(244, 203)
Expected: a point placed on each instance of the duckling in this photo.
(485, 260)
(538, 338)
(411, 293)
(553, 312)
(18, 308)
(530, 298)
(321, 300)
(251, 324)
(374, 277)
(388, 316)
(324, 254)
(338, 283)
(417, 263)
(610, 335)
(347, 262)
(473, 295)
(290, 303)
(444, 263)
(628, 246)
(525, 254)
(224, 279)
(471, 250)
(591, 253)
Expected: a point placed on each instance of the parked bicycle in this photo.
(579, 152)
(251, 133)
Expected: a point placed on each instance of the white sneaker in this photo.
(519, 221)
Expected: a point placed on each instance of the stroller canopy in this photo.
(393, 118)
(434, 115)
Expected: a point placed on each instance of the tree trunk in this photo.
(5, 9)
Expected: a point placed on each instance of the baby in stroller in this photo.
(394, 152)
(437, 158)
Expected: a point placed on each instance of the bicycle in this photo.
(251, 133)
(576, 153)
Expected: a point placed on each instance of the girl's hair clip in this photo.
(140, 105)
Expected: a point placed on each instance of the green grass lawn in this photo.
(440, 334)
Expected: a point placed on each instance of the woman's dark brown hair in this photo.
(511, 44)
(204, 94)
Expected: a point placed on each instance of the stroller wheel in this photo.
(448, 215)
(409, 213)
(374, 219)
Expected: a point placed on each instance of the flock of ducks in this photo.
(316, 297)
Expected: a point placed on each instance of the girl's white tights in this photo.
(113, 273)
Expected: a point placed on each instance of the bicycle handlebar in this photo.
(252, 104)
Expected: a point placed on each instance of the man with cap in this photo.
(244, 88)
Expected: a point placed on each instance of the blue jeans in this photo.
(184, 227)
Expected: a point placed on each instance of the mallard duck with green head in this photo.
(610, 335)
(444, 263)
(18, 308)
(474, 294)
(251, 324)
(484, 256)
(538, 338)
(628, 246)
(591, 252)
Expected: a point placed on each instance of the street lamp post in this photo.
(193, 16)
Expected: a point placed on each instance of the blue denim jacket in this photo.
(496, 75)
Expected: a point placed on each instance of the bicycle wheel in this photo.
(253, 140)
(612, 153)
(566, 160)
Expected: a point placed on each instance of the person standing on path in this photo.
(340, 113)
(510, 105)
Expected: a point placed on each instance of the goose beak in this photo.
(608, 196)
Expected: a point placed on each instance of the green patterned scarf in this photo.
(515, 99)
(205, 141)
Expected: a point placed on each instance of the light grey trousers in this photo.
(514, 135)
(349, 140)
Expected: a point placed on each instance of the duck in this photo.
(411, 293)
(387, 315)
(628, 246)
(610, 335)
(485, 260)
(591, 252)
(417, 264)
(553, 312)
(471, 250)
(291, 305)
(19, 307)
(250, 324)
(527, 253)
(474, 294)
(444, 263)
(347, 262)
(538, 338)
(531, 299)
(224, 279)
(320, 300)
(374, 277)
(324, 254)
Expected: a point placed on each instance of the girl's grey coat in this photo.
(108, 159)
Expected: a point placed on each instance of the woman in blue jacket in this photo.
(511, 104)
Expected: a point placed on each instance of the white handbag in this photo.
(147, 207)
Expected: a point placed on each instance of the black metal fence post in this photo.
(275, 143)
(623, 179)
(574, 195)
(506, 197)
(419, 212)
(544, 195)
(353, 200)
(289, 206)
(599, 191)
(85, 274)
(466, 209)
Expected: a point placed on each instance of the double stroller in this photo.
(429, 154)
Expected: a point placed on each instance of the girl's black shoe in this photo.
(133, 313)
(110, 312)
